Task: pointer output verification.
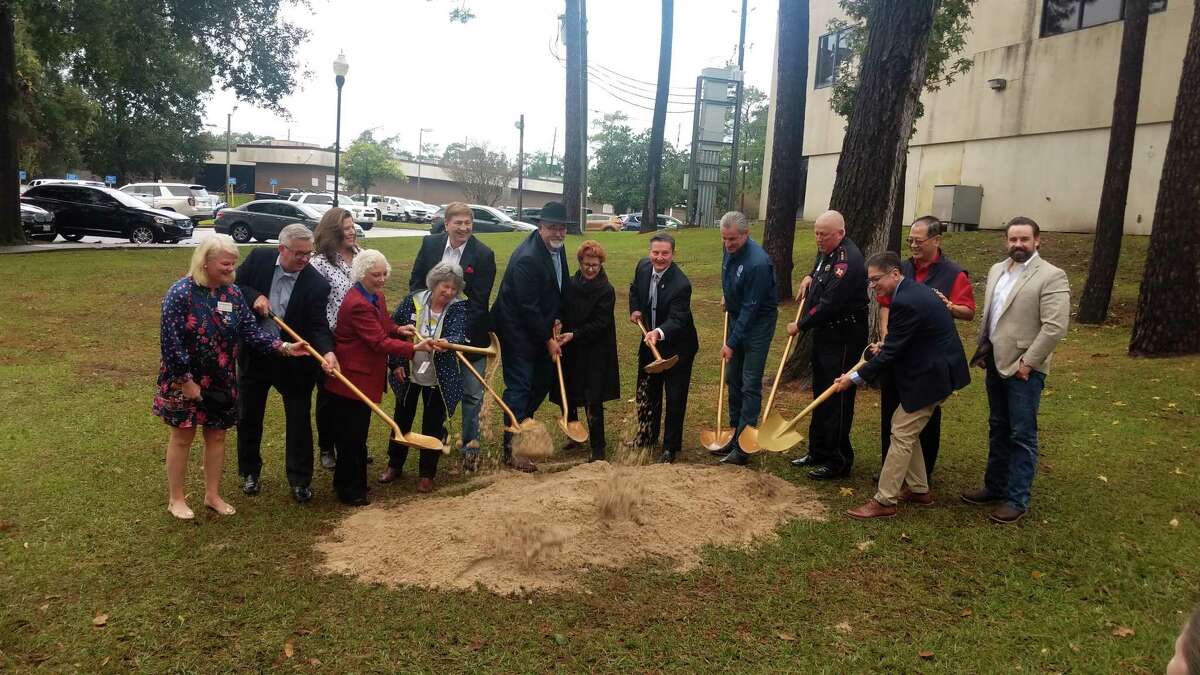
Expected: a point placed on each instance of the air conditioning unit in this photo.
(958, 205)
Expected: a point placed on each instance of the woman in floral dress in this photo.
(204, 320)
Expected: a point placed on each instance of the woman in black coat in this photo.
(589, 344)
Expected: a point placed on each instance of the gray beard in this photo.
(555, 245)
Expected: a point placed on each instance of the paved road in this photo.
(199, 234)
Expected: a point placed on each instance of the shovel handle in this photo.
(862, 360)
(787, 350)
(508, 411)
(653, 349)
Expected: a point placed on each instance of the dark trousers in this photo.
(433, 423)
(526, 383)
(829, 429)
(326, 423)
(297, 408)
(931, 435)
(595, 419)
(1012, 434)
(674, 382)
(350, 443)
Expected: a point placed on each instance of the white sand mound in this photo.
(543, 531)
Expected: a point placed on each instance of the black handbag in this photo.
(215, 398)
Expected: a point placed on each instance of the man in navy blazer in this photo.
(925, 357)
(457, 245)
(280, 280)
(527, 311)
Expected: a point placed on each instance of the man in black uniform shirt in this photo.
(835, 310)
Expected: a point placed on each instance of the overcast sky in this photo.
(410, 67)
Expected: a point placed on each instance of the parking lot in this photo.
(199, 235)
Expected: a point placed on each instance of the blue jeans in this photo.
(526, 383)
(744, 374)
(472, 401)
(1012, 434)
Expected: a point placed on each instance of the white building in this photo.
(1036, 137)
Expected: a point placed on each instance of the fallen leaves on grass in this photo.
(844, 627)
(846, 491)
(926, 654)
(289, 648)
(966, 612)
(1123, 632)
(100, 620)
(1174, 522)
(904, 537)
(786, 637)
(864, 545)
(1035, 574)
(1103, 479)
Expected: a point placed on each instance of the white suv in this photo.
(386, 208)
(192, 201)
(323, 201)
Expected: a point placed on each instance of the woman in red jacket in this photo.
(364, 337)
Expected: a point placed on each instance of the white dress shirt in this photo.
(1004, 286)
(453, 255)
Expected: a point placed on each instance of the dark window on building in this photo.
(832, 50)
(1064, 16)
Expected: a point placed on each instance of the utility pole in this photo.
(737, 108)
(228, 149)
(583, 116)
(521, 167)
(420, 152)
(553, 145)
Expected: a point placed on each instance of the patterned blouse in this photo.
(339, 276)
(201, 334)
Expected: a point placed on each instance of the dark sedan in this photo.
(38, 223)
(264, 218)
(632, 222)
(104, 212)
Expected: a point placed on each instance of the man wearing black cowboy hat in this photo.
(527, 310)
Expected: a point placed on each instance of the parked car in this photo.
(386, 208)
(38, 223)
(285, 193)
(487, 219)
(632, 222)
(192, 201)
(262, 219)
(104, 212)
(418, 212)
(603, 222)
(323, 201)
(532, 215)
(73, 181)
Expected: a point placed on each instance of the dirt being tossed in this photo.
(529, 532)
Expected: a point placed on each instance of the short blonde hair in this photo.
(365, 261)
(208, 249)
(458, 209)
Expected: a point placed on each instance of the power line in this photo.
(634, 79)
(679, 98)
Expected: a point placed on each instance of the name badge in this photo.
(423, 367)
(414, 317)
(223, 306)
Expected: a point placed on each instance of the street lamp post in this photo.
(340, 68)
(420, 153)
(228, 136)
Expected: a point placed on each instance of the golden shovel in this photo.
(659, 364)
(412, 439)
(779, 435)
(513, 426)
(748, 439)
(718, 437)
(574, 430)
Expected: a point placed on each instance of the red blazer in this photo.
(364, 337)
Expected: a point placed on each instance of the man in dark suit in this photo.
(478, 263)
(527, 311)
(924, 356)
(281, 281)
(660, 296)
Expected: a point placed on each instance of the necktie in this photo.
(654, 300)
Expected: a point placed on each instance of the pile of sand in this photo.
(543, 531)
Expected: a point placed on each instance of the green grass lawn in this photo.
(1111, 541)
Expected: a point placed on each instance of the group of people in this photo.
(319, 294)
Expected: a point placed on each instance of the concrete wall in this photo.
(1036, 147)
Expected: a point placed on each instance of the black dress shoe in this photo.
(250, 484)
(357, 501)
(667, 457)
(720, 452)
(302, 494)
(827, 473)
(804, 461)
(736, 458)
(328, 460)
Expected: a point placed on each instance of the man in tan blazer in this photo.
(1025, 313)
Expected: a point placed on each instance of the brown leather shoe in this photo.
(980, 496)
(910, 497)
(872, 509)
(389, 475)
(1007, 514)
(425, 485)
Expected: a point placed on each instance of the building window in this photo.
(832, 49)
(1064, 16)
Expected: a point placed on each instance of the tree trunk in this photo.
(1110, 221)
(572, 175)
(659, 123)
(787, 146)
(11, 230)
(889, 85)
(896, 229)
(1164, 325)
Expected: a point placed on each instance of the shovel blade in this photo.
(748, 440)
(715, 439)
(423, 442)
(661, 365)
(776, 435)
(573, 430)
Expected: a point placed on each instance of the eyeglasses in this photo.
(871, 281)
(913, 241)
(555, 226)
(588, 266)
(300, 254)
